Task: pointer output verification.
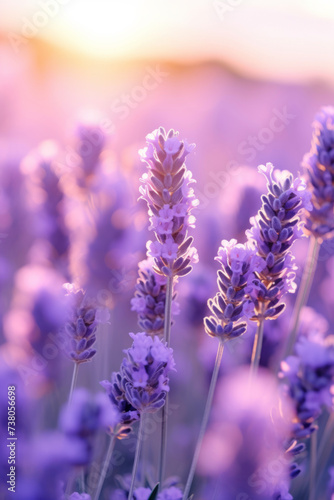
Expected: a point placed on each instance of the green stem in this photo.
(168, 310)
(137, 455)
(304, 291)
(326, 445)
(204, 420)
(105, 466)
(313, 465)
(257, 348)
(74, 381)
(167, 330)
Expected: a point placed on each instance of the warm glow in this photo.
(107, 29)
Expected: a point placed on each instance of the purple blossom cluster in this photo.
(170, 199)
(83, 417)
(150, 299)
(142, 382)
(80, 328)
(274, 229)
(171, 493)
(231, 304)
(319, 163)
(48, 204)
(310, 377)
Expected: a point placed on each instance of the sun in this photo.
(105, 28)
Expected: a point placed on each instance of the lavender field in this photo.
(166, 250)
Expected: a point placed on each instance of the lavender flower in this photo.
(243, 448)
(170, 200)
(310, 376)
(84, 417)
(150, 297)
(79, 331)
(100, 257)
(230, 305)
(47, 196)
(319, 163)
(91, 140)
(79, 496)
(116, 392)
(274, 229)
(143, 378)
(169, 493)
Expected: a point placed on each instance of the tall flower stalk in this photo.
(319, 225)
(79, 331)
(141, 385)
(274, 229)
(229, 307)
(170, 199)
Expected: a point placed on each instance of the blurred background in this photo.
(242, 79)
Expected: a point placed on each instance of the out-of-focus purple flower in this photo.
(331, 483)
(274, 229)
(79, 496)
(16, 229)
(169, 493)
(310, 376)
(101, 261)
(31, 324)
(84, 416)
(150, 297)
(230, 305)
(91, 140)
(319, 163)
(170, 199)
(195, 292)
(143, 379)
(243, 448)
(80, 328)
(46, 198)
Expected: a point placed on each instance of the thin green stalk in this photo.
(204, 420)
(136, 461)
(105, 466)
(313, 465)
(304, 291)
(167, 330)
(73, 384)
(326, 446)
(74, 381)
(168, 310)
(257, 348)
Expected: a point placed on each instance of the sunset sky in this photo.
(279, 40)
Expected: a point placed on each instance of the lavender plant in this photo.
(229, 307)
(170, 199)
(141, 385)
(274, 229)
(310, 377)
(319, 215)
(79, 331)
(150, 299)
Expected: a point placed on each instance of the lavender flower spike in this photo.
(145, 372)
(150, 298)
(239, 262)
(80, 329)
(319, 163)
(170, 200)
(274, 229)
